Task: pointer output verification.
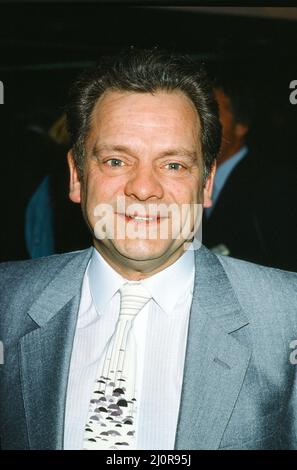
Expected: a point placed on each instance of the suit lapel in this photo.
(45, 355)
(215, 363)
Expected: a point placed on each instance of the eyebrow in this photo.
(174, 152)
(118, 148)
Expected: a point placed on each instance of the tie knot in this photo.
(133, 297)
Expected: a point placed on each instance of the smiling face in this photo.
(143, 156)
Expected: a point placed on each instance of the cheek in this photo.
(103, 189)
(184, 192)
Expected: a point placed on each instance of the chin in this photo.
(143, 250)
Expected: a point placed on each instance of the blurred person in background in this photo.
(35, 219)
(253, 216)
(49, 211)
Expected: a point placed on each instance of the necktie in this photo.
(113, 405)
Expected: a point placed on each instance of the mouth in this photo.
(143, 219)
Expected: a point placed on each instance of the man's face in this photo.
(143, 155)
(233, 133)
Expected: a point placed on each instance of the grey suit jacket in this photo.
(239, 388)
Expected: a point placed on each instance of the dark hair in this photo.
(144, 71)
(239, 91)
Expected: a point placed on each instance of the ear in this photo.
(74, 184)
(241, 129)
(207, 191)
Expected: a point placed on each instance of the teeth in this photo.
(142, 219)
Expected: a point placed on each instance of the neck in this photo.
(136, 270)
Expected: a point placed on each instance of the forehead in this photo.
(165, 114)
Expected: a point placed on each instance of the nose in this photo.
(143, 184)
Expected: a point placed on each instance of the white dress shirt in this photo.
(160, 334)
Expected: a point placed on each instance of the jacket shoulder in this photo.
(252, 272)
(268, 294)
(34, 270)
(22, 283)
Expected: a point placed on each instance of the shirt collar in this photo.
(165, 286)
(104, 281)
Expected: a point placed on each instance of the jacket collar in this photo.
(216, 362)
(46, 354)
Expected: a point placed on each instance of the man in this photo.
(209, 352)
(255, 222)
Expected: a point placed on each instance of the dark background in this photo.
(43, 46)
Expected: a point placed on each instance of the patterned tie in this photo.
(113, 406)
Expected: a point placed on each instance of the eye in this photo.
(114, 162)
(174, 166)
